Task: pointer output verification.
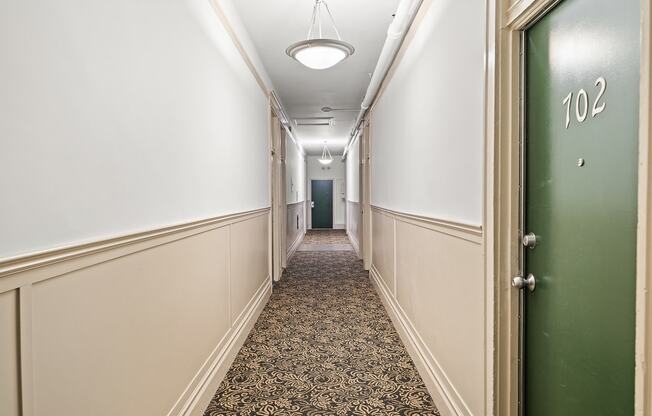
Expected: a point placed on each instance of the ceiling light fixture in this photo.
(326, 157)
(320, 53)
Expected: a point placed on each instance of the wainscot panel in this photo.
(9, 355)
(296, 226)
(249, 268)
(140, 324)
(437, 304)
(382, 247)
(353, 224)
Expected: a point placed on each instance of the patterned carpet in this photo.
(323, 345)
(326, 237)
(326, 240)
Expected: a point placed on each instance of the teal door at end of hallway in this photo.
(581, 154)
(322, 203)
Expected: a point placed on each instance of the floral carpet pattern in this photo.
(323, 345)
(326, 237)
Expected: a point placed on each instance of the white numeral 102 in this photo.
(582, 103)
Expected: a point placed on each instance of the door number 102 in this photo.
(582, 103)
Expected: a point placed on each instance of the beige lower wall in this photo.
(295, 226)
(146, 326)
(9, 366)
(430, 276)
(353, 224)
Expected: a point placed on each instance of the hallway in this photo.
(318, 207)
(324, 344)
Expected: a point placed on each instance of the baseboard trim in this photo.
(295, 245)
(196, 399)
(339, 226)
(448, 403)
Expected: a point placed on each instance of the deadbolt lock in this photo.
(530, 240)
(520, 283)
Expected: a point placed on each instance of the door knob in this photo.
(520, 283)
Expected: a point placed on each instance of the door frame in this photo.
(364, 228)
(278, 215)
(332, 181)
(507, 19)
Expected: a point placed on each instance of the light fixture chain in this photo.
(319, 19)
(312, 21)
(328, 10)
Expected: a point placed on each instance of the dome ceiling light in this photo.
(320, 53)
(326, 157)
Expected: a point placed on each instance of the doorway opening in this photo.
(322, 203)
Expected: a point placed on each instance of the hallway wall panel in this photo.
(353, 225)
(440, 287)
(118, 117)
(142, 325)
(9, 354)
(382, 248)
(296, 226)
(427, 127)
(295, 190)
(295, 173)
(249, 240)
(427, 131)
(353, 195)
(436, 298)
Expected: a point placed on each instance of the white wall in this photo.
(426, 159)
(295, 173)
(427, 129)
(335, 171)
(123, 116)
(353, 172)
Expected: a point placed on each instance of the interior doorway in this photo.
(322, 203)
(580, 212)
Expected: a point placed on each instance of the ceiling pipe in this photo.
(405, 14)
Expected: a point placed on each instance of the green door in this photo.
(581, 79)
(322, 203)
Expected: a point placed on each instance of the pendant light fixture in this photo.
(320, 53)
(326, 157)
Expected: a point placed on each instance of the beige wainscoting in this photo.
(145, 324)
(353, 225)
(295, 226)
(429, 274)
